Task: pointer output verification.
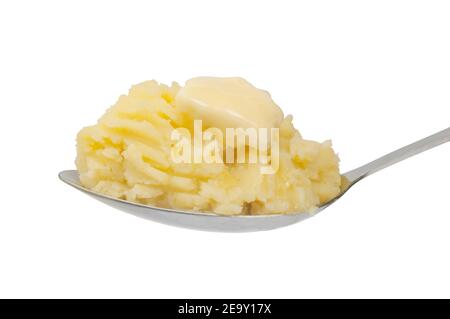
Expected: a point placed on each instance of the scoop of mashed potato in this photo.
(127, 155)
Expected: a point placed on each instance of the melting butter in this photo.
(228, 103)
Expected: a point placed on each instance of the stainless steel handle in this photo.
(399, 155)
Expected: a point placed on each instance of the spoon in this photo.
(249, 223)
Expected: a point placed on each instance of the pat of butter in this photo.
(228, 103)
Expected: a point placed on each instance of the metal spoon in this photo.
(249, 223)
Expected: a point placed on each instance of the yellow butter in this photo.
(228, 103)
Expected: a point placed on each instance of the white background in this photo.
(370, 75)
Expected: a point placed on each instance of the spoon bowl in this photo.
(250, 223)
(192, 219)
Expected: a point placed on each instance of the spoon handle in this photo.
(399, 155)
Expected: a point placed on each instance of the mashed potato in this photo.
(127, 155)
